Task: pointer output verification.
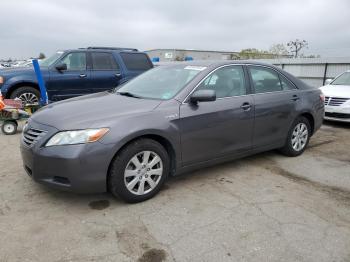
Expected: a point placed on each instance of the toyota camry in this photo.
(167, 121)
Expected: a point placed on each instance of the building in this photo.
(166, 55)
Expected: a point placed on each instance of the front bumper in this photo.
(79, 168)
(337, 113)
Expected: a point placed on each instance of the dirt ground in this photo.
(262, 208)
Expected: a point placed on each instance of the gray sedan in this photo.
(169, 120)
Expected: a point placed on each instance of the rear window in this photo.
(103, 61)
(136, 61)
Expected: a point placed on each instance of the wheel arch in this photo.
(165, 142)
(15, 86)
(311, 120)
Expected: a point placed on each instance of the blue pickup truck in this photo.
(75, 72)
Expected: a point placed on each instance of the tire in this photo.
(28, 95)
(9, 127)
(130, 167)
(297, 141)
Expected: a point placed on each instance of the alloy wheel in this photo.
(299, 137)
(29, 98)
(143, 172)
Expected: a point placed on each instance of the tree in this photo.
(41, 56)
(279, 50)
(296, 45)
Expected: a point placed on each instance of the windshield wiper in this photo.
(128, 94)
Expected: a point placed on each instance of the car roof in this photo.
(108, 49)
(212, 63)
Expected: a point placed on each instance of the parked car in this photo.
(76, 72)
(169, 120)
(24, 63)
(337, 98)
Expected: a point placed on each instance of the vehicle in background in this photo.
(337, 98)
(24, 63)
(5, 65)
(166, 121)
(75, 72)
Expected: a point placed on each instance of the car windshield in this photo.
(343, 79)
(50, 60)
(161, 82)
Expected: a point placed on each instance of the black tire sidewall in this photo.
(25, 89)
(115, 181)
(288, 148)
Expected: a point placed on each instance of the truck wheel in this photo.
(28, 95)
(9, 127)
(138, 172)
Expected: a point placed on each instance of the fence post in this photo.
(325, 73)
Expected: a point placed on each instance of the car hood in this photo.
(16, 70)
(92, 111)
(21, 71)
(336, 91)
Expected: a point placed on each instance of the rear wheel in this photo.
(9, 127)
(28, 95)
(298, 137)
(138, 172)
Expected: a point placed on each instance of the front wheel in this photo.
(298, 137)
(138, 172)
(28, 95)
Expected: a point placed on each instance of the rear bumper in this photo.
(79, 168)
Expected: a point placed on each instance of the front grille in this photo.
(32, 135)
(335, 101)
(337, 115)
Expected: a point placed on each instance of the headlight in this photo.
(2, 80)
(77, 137)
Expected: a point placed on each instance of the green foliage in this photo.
(41, 56)
(253, 53)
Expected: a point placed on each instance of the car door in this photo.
(70, 82)
(222, 127)
(105, 71)
(276, 100)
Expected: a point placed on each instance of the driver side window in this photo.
(75, 61)
(227, 81)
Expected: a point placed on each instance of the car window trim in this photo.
(271, 68)
(72, 52)
(282, 77)
(252, 81)
(212, 71)
(92, 63)
(138, 53)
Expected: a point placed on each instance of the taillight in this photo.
(322, 97)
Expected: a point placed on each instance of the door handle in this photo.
(82, 75)
(295, 98)
(118, 75)
(246, 106)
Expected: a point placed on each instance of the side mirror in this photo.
(203, 96)
(61, 67)
(328, 81)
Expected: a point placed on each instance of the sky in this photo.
(28, 27)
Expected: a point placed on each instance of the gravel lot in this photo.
(263, 208)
